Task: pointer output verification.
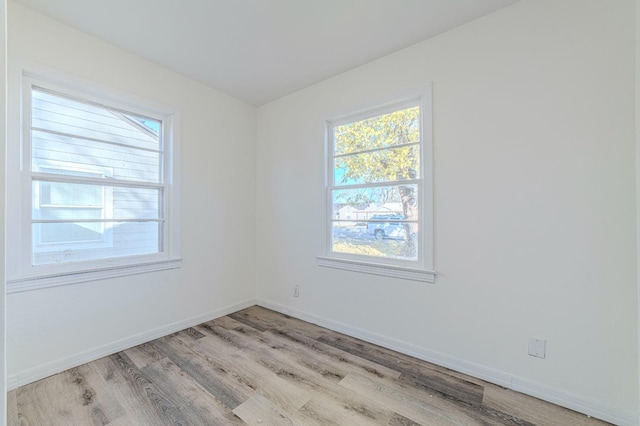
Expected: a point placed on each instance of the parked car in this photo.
(385, 226)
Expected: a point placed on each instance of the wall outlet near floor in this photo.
(296, 291)
(537, 347)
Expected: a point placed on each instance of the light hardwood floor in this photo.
(262, 368)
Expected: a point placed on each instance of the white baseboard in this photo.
(518, 384)
(12, 382)
(40, 372)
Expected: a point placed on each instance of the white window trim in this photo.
(422, 269)
(412, 274)
(21, 275)
(35, 283)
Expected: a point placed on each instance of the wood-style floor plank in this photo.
(399, 420)
(310, 350)
(222, 385)
(264, 319)
(259, 367)
(264, 380)
(198, 405)
(259, 410)
(72, 394)
(120, 386)
(162, 401)
(413, 371)
(532, 409)
(402, 400)
(418, 406)
(12, 408)
(145, 354)
(344, 405)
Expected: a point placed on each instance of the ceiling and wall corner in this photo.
(256, 50)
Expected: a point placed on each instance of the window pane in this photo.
(396, 128)
(78, 241)
(391, 240)
(398, 163)
(70, 194)
(68, 213)
(365, 202)
(141, 203)
(58, 114)
(76, 201)
(70, 233)
(52, 153)
(51, 197)
(378, 221)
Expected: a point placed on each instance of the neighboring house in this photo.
(348, 212)
(351, 213)
(385, 209)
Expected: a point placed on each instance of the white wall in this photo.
(55, 328)
(534, 204)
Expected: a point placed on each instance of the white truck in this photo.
(386, 226)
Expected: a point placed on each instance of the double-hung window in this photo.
(379, 191)
(96, 186)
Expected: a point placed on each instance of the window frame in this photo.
(22, 275)
(421, 269)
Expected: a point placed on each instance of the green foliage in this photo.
(365, 196)
(387, 135)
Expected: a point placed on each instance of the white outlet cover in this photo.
(538, 347)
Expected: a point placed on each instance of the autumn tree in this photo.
(377, 158)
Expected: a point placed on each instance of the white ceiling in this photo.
(260, 50)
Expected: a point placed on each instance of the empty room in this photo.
(351, 212)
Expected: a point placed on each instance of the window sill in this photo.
(378, 269)
(36, 283)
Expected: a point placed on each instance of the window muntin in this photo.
(97, 180)
(375, 186)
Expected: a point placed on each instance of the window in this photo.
(378, 193)
(97, 188)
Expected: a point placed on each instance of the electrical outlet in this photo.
(296, 291)
(537, 347)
